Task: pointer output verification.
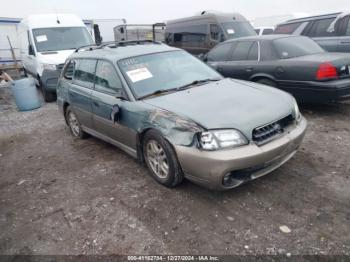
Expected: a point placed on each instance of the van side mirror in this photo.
(97, 33)
(203, 57)
(31, 50)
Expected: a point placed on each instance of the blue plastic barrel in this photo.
(26, 95)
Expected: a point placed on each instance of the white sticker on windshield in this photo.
(139, 74)
(41, 38)
(230, 31)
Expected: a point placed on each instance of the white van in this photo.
(45, 43)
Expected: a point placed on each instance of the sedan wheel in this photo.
(74, 124)
(157, 159)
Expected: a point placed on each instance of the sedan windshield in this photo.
(162, 72)
(289, 47)
(238, 29)
(61, 38)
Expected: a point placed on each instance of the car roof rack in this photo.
(90, 47)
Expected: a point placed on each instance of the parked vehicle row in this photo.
(295, 64)
(168, 109)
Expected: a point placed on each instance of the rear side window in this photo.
(84, 72)
(191, 34)
(287, 28)
(220, 53)
(107, 79)
(319, 28)
(347, 30)
(241, 51)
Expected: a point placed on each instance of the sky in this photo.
(151, 11)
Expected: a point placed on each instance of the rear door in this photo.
(81, 89)
(318, 31)
(105, 101)
(243, 60)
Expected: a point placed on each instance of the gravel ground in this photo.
(60, 195)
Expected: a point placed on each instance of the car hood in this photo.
(228, 104)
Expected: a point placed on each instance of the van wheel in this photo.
(48, 96)
(161, 160)
(267, 82)
(74, 124)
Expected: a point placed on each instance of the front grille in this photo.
(264, 134)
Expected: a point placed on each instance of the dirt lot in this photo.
(59, 195)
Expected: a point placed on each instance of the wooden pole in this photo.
(14, 58)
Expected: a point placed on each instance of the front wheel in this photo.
(161, 160)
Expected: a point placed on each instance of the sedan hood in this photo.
(228, 104)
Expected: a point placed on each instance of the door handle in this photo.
(345, 42)
(219, 68)
(96, 104)
(249, 69)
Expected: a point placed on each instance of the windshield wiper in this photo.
(157, 92)
(197, 82)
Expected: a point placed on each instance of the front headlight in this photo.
(49, 66)
(297, 112)
(220, 139)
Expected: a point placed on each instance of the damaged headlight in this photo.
(220, 139)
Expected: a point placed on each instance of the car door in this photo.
(243, 60)
(81, 89)
(218, 56)
(30, 57)
(108, 98)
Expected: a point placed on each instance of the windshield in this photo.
(296, 46)
(61, 38)
(238, 29)
(163, 71)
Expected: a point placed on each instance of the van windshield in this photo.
(149, 73)
(61, 38)
(238, 29)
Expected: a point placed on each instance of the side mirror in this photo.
(31, 50)
(121, 30)
(115, 114)
(203, 57)
(97, 33)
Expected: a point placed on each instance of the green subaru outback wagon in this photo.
(171, 111)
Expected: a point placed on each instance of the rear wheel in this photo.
(74, 124)
(267, 82)
(161, 160)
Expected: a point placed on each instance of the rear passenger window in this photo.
(241, 51)
(84, 72)
(319, 28)
(220, 53)
(106, 79)
(253, 52)
(287, 29)
(347, 30)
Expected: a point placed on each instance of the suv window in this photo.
(287, 28)
(220, 53)
(241, 51)
(319, 28)
(347, 30)
(69, 70)
(85, 72)
(106, 79)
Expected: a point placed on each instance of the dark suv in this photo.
(331, 31)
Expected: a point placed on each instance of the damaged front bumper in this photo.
(211, 168)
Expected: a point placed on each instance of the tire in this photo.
(158, 152)
(267, 82)
(74, 124)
